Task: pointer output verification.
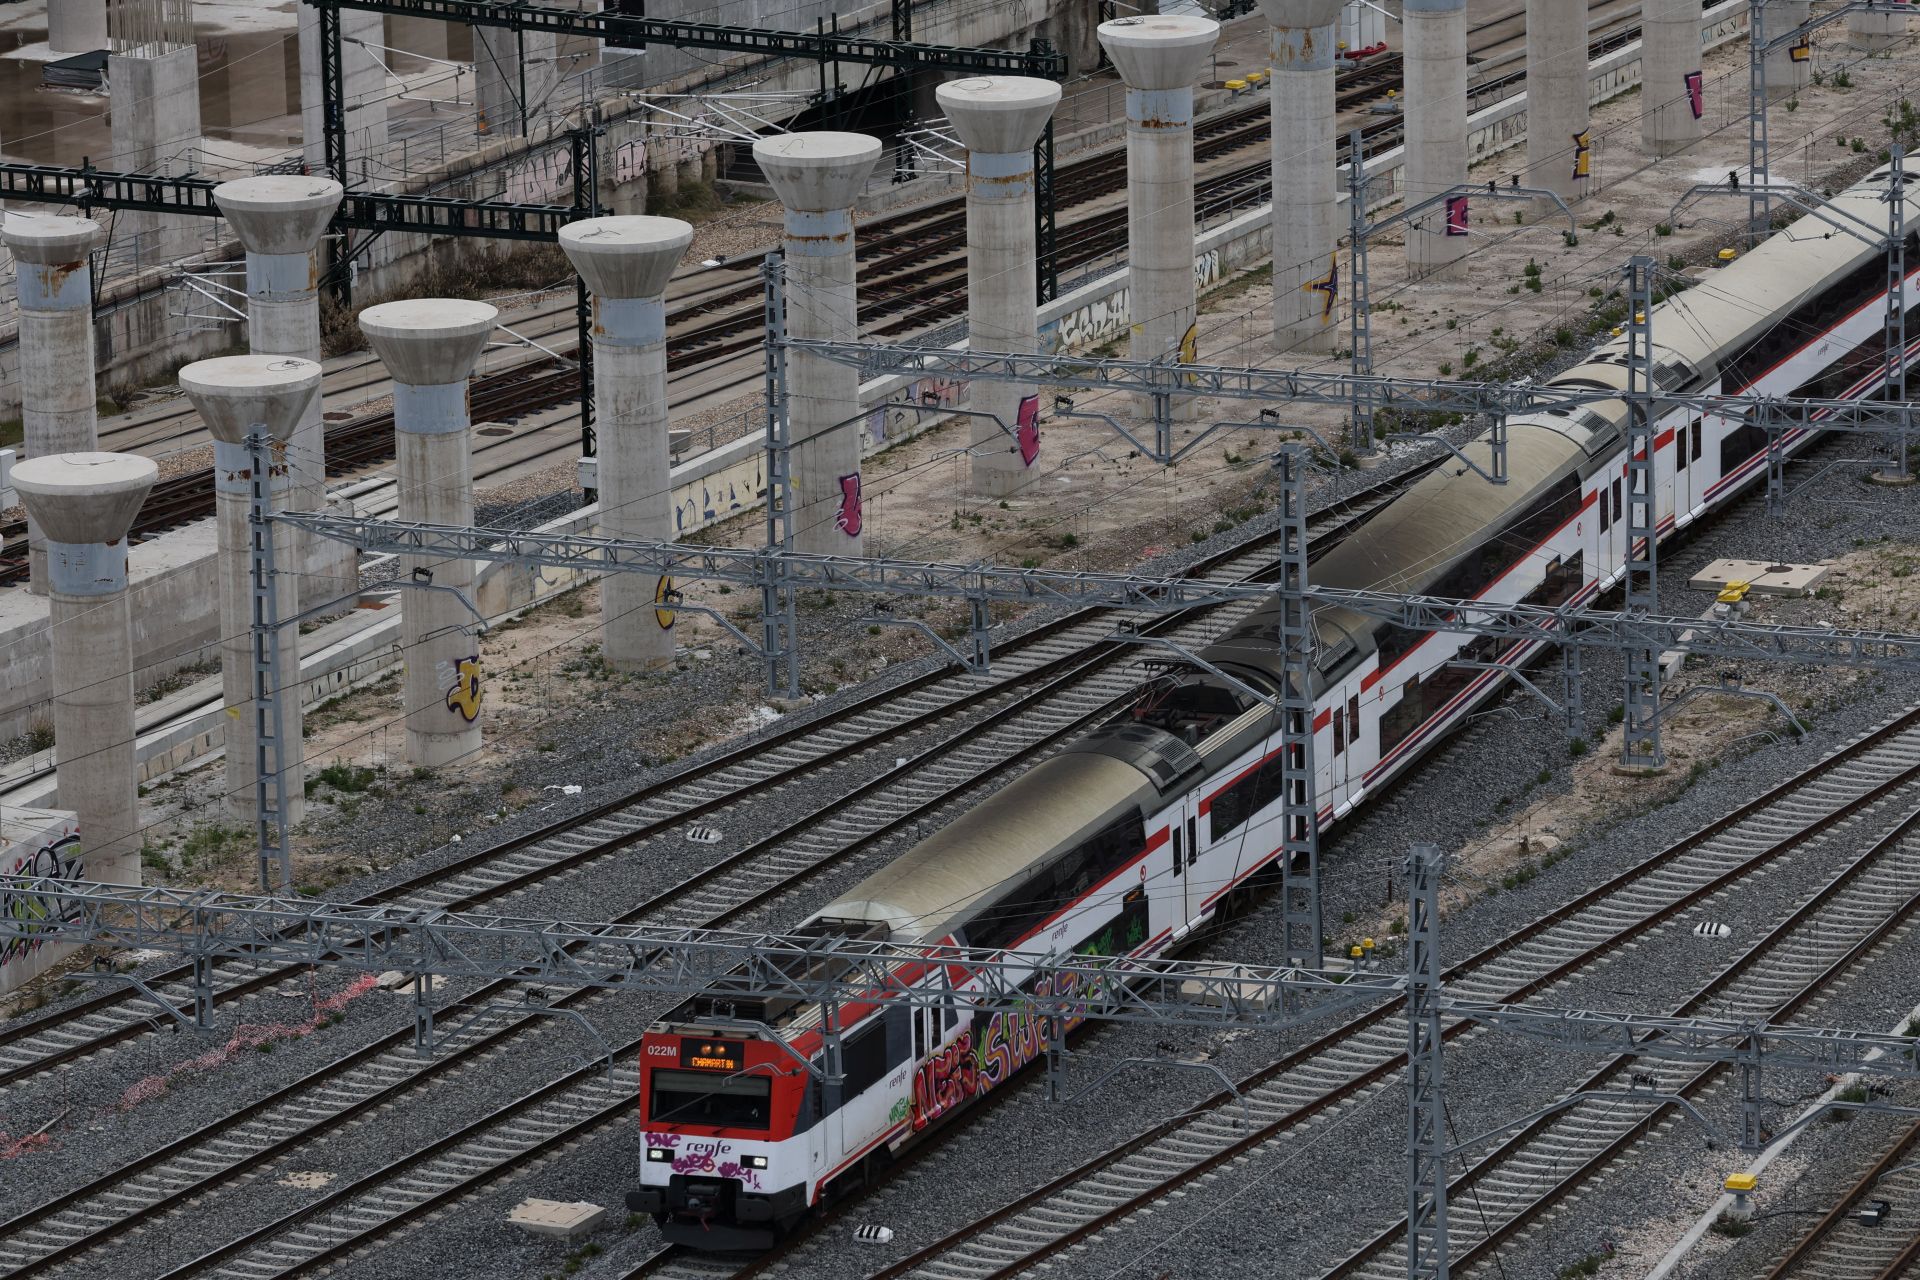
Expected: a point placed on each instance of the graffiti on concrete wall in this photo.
(30, 916)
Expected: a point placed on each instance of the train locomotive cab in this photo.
(719, 1113)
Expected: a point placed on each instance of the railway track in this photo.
(1075, 674)
(1800, 962)
(1840, 1248)
(658, 811)
(1875, 780)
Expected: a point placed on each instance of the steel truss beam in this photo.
(622, 29)
(1341, 390)
(1729, 639)
(1705, 1040)
(725, 965)
(87, 189)
(747, 967)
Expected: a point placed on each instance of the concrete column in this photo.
(236, 396)
(429, 346)
(363, 83)
(627, 263)
(1558, 140)
(280, 219)
(1878, 32)
(1788, 70)
(1436, 128)
(1672, 87)
(514, 75)
(1160, 58)
(999, 118)
(85, 502)
(156, 129)
(56, 346)
(76, 26)
(1300, 49)
(817, 177)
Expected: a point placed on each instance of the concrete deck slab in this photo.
(1765, 577)
(554, 1218)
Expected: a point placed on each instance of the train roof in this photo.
(925, 891)
(1411, 545)
(1731, 307)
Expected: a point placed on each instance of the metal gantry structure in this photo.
(1640, 737)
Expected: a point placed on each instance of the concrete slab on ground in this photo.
(1763, 577)
(556, 1218)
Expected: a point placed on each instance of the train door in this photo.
(1346, 757)
(1610, 514)
(1689, 478)
(1183, 833)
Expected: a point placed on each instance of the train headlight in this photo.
(755, 1162)
(659, 1155)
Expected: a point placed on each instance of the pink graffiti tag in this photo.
(1456, 215)
(1696, 93)
(849, 520)
(1027, 430)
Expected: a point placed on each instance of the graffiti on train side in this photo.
(993, 1050)
(31, 917)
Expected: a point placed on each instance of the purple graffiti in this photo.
(1028, 430)
(1696, 93)
(849, 519)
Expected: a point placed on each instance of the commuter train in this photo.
(1156, 822)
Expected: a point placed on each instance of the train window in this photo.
(863, 1058)
(701, 1097)
(1353, 719)
(1339, 732)
(1402, 717)
(1562, 579)
(1122, 933)
(1680, 447)
(1003, 923)
(1699, 434)
(1616, 501)
(1230, 809)
(1602, 504)
(1822, 311)
(1740, 444)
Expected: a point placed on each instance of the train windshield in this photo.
(695, 1097)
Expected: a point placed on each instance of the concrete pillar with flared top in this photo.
(57, 399)
(1306, 277)
(817, 177)
(998, 119)
(1559, 143)
(1160, 58)
(429, 346)
(1672, 84)
(1881, 28)
(237, 396)
(279, 219)
(1436, 131)
(626, 263)
(84, 503)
